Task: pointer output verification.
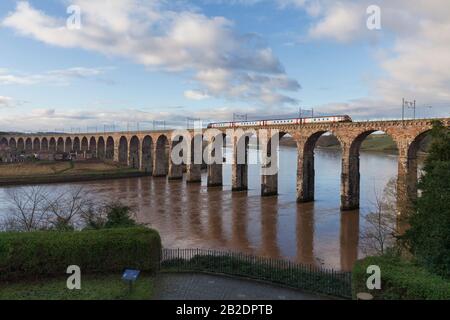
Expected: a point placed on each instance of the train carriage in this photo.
(278, 122)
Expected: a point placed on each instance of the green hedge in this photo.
(400, 280)
(49, 253)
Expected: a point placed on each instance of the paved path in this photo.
(190, 286)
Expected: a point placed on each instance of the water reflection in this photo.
(349, 239)
(269, 224)
(239, 236)
(191, 216)
(305, 235)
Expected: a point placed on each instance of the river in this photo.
(191, 216)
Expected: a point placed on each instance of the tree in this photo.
(119, 216)
(66, 208)
(429, 234)
(380, 231)
(28, 209)
(40, 207)
(109, 215)
(44, 208)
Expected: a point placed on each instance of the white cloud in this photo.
(341, 23)
(415, 66)
(6, 102)
(60, 77)
(153, 34)
(43, 113)
(195, 95)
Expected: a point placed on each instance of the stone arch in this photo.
(44, 144)
(109, 151)
(36, 145)
(123, 151)
(12, 144)
(93, 147)
(60, 145)
(306, 166)
(76, 144)
(20, 145)
(350, 175)
(414, 145)
(147, 147)
(408, 172)
(68, 146)
(28, 145)
(52, 145)
(134, 152)
(357, 142)
(161, 167)
(101, 148)
(4, 143)
(84, 144)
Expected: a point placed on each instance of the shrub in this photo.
(400, 280)
(119, 216)
(109, 216)
(49, 253)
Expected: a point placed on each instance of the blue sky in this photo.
(137, 61)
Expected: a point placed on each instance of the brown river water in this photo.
(193, 216)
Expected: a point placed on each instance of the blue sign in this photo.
(130, 275)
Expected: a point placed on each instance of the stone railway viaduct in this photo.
(149, 151)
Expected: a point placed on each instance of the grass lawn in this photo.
(110, 287)
(49, 168)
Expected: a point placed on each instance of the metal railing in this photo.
(305, 277)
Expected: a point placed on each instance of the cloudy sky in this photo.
(135, 61)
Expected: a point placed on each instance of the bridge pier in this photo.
(175, 171)
(349, 179)
(161, 162)
(269, 185)
(269, 172)
(215, 161)
(305, 174)
(194, 173)
(239, 177)
(195, 157)
(215, 177)
(239, 168)
(406, 189)
(116, 150)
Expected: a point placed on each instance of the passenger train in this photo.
(277, 122)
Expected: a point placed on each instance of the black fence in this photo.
(305, 277)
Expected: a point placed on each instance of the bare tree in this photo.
(380, 231)
(65, 209)
(39, 207)
(28, 208)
